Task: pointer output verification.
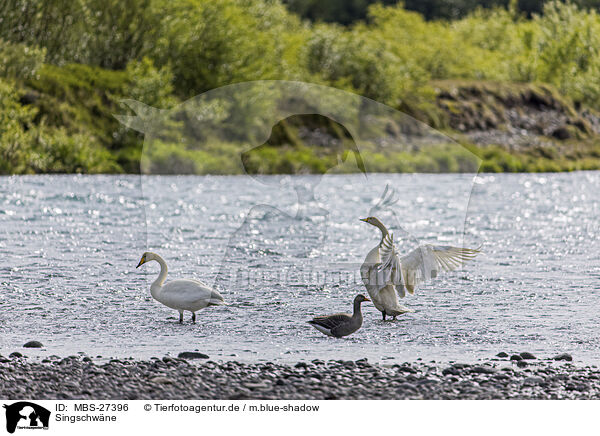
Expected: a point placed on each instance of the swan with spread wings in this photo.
(387, 275)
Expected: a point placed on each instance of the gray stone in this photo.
(257, 385)
(162, 380)
(483, 370)
(533, 381)
(581, 387)
(33, 344)
(192, 355)
(153, 379)
(564, 356)
(450, 371)
(406, 387)
(527, 356)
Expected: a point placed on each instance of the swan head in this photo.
(373, 221)
(146, 257)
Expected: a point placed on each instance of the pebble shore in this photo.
(79, 377)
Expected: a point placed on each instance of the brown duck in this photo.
(341, 324)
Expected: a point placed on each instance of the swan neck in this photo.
(155, 288)
(384, 231)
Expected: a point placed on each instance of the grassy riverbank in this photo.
(65, 123)
(518, 91)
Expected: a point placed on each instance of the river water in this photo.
(282, 249)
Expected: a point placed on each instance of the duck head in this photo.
(360, 298)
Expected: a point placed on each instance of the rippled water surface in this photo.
(283, 249)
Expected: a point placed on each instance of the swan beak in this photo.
(142, 261)
(364, 219)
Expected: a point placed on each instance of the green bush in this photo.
(366, 60)
(148, 84)
(82, 99)
(55, 151)
(70, 63)
(105, 33)
(27, 148)
(20, 61)
(16, 135)
(211, 44)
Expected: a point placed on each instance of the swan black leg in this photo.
(194, 317)
(180, 317)
(394, 319)
(383, 313)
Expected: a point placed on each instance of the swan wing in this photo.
(215, 296)
(186, 292)
(389, 271)
(427, 261)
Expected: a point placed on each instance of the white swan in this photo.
(387, 276)
(184, 294)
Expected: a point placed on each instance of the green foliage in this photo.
(91, 94)
(299, 160)
(198, 45)
(560, 47)
(148, 84)
(172, 158)
(392, 57)
(58, 25)
(452, 9)
(55, 151)
(20, 60)
(66, 64)
(15, 133)
(580, 156)
(572, 60)
(27, 148)
(349, 11)
(365, 60)
(119, 31)
(212, 44)
(82, 99)
(286, 160)
(106, 33)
